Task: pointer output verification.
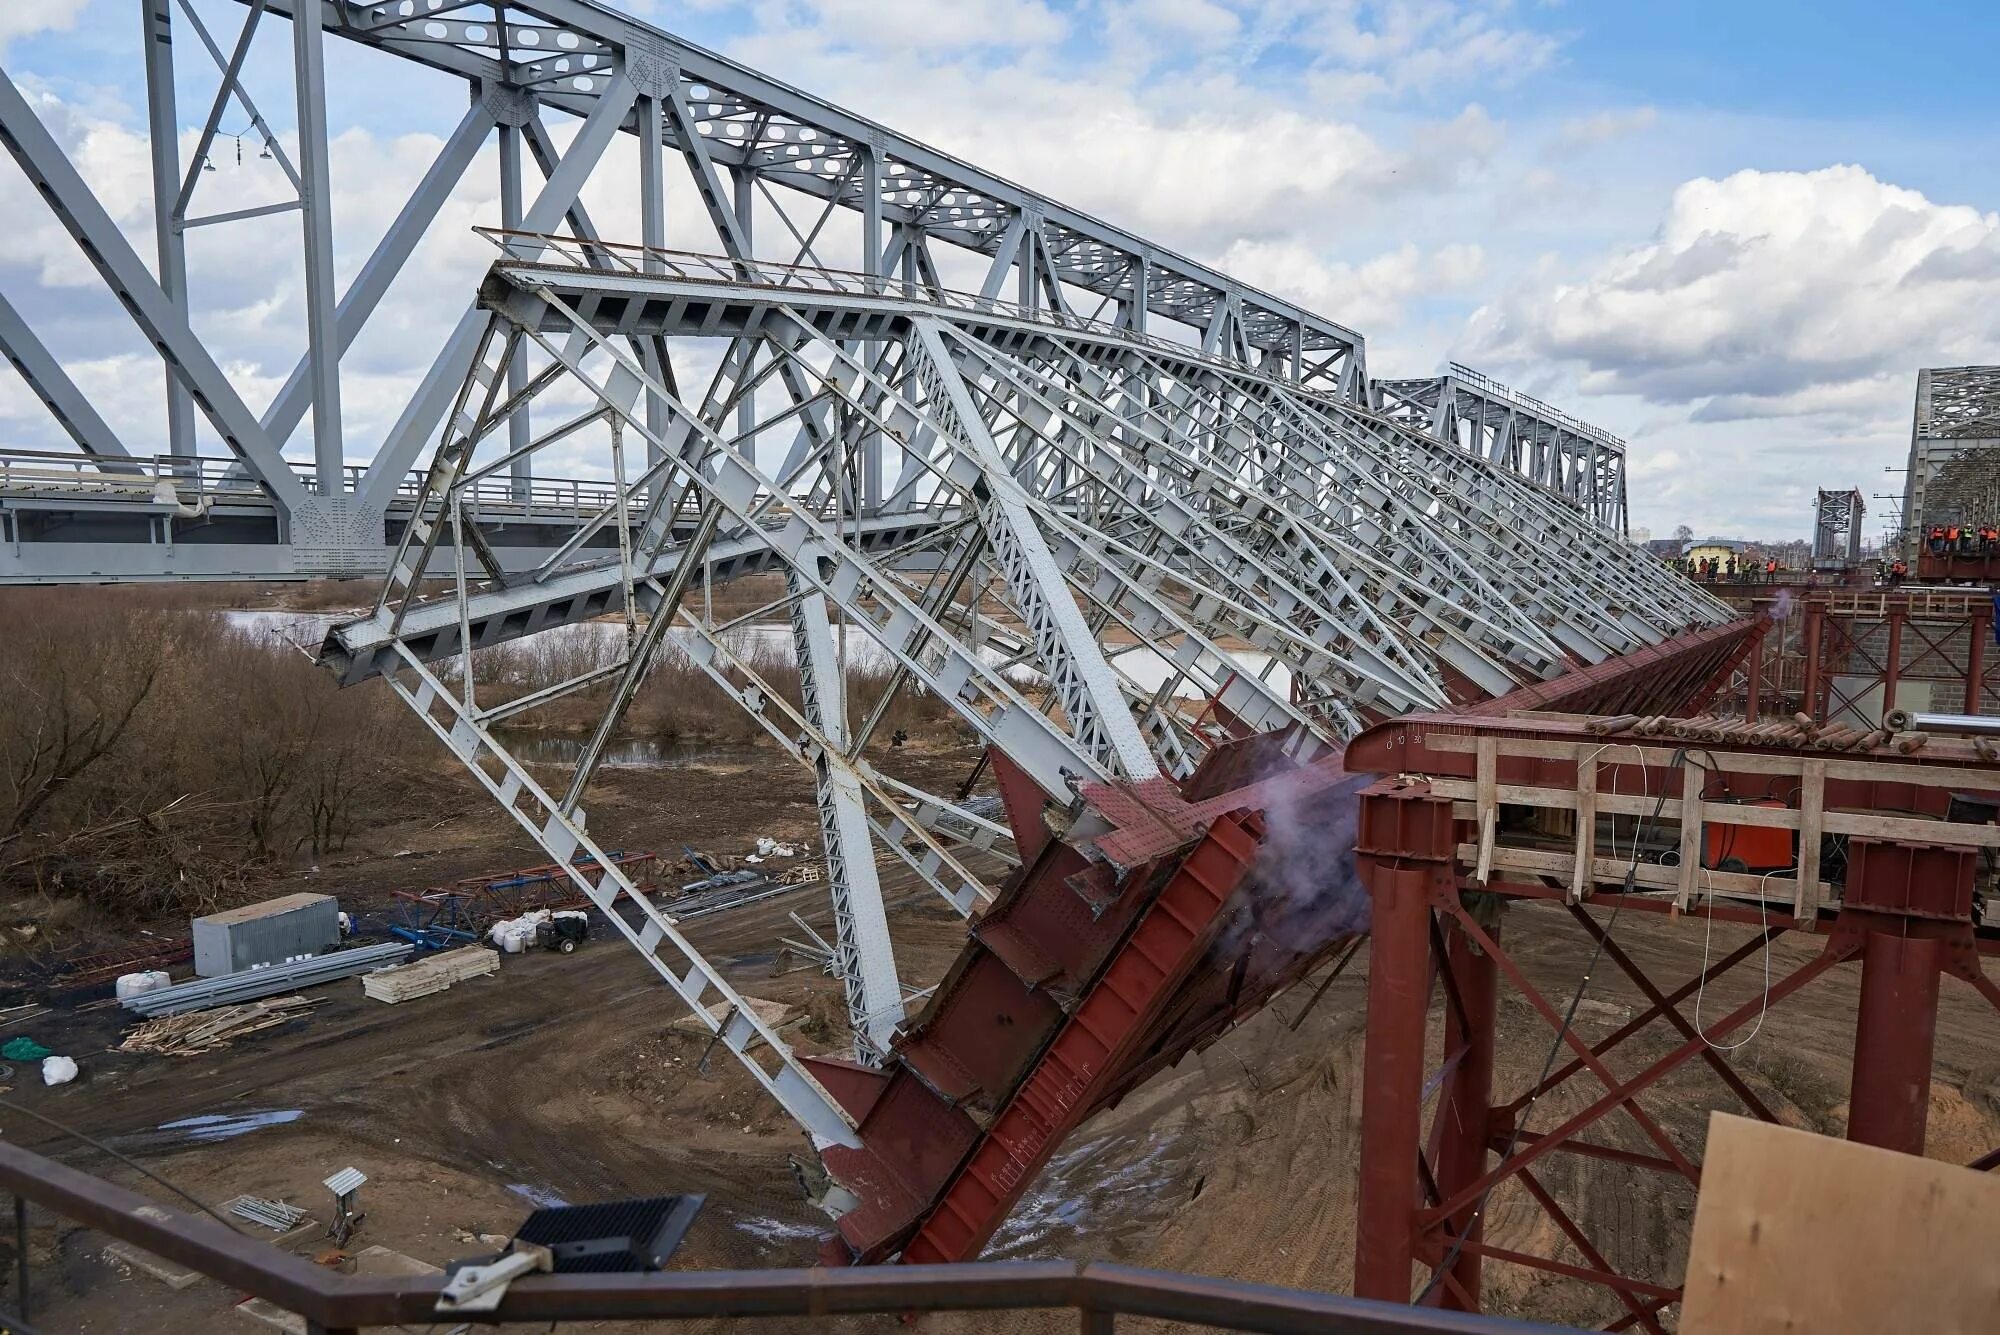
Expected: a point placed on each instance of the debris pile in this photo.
(198, 1032)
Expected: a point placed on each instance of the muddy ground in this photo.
(566, 1078)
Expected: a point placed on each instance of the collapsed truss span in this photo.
(1162, 587)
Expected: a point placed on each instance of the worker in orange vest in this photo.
(1771, 570)
(1937, 539)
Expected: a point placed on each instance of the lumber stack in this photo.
(407, 982)
(197, 1032)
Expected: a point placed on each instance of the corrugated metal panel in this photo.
(278, 931)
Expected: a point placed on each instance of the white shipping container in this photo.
(277, 931)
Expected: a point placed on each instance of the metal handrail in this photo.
(1547, 411)
(693, 266)
(1098, 1292)
(199, 476)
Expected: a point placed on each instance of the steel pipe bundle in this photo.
(250, 984)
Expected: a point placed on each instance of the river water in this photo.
(1145, 667)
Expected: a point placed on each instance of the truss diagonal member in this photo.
(438, 492)
(765, 1055)
(1101, 578)
(1370, 655)
(386, 261)
(1318, 477)
(406, 438)
(861, 925)
(1083, 681)
(45, 376)
(803, 541)
(358, 650)
(1499, 530)
(1234, 518)
(85, 219)
(640, 655)
(922, 820)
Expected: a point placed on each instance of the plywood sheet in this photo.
(1796, 1232)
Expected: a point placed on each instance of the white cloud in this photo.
(1768, 293)
(25, 18)
(1586, 132)
(921, 25)
(1774, 323)
(1369, 295)
(1191, 20)
(1378, 48)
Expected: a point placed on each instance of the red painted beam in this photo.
(1099, 1036)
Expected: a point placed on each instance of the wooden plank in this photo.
(1916, 829)
(1652, 752)
(1812, 807)
(1486, 772)
(1489, 826)
(1779, 891)
(1486, 803)
(1797, 1232)
(1586, 827)
(1693, 776)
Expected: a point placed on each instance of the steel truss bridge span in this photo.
(778, 174)
(1162, 588)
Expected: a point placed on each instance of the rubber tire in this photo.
(566, 947)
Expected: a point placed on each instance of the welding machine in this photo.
(1747, 848)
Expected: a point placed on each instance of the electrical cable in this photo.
(1701, 986)
(1457, 1247)
(130, 1163)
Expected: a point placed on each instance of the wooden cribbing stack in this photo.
(407, 982)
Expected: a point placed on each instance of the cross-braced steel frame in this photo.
(1866, 655)
(779, 174)
(1440, 935)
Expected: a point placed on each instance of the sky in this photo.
(1730, 233)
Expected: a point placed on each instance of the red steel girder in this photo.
(1087, 1051)
(1663, 678)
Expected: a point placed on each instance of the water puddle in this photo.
(780, 1231)
(630, 753)
(209, 1128)
(540, 1197)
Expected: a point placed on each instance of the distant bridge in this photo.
(781, 175)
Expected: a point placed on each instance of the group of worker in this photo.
(1709, 570)
(1962, 539)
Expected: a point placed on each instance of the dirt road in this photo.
(565, 1078)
